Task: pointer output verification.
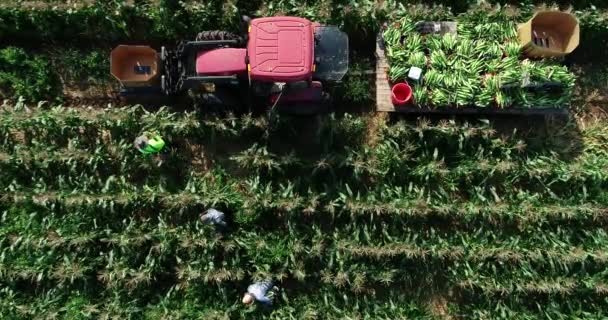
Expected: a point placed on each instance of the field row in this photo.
(517, 214)
(431, 161)
(553, 249)
(65, 254)
(118, 19)
(422, 175)
(28, 126)
(72, 63)
(190, 303)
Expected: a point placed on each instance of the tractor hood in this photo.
(331, 53)
(280, 49)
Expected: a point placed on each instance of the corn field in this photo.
(354, 214)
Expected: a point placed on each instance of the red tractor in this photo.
(280, 61)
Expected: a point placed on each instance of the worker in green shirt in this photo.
(149, 143)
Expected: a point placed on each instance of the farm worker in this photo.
(214, 217)
(147, 145)
(257, 292)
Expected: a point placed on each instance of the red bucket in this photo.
(401, 93)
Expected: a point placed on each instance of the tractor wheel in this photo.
(217, 35)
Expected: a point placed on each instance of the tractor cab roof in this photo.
(280, 49)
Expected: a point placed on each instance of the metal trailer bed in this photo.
(384, 103)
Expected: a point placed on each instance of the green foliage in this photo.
(76, 66)
(25, 75)
(438, 206)
(355, 87)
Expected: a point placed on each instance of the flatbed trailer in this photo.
(384, 102)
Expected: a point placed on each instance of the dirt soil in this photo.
(438, 305)
(376, 120)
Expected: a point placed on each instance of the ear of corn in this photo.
(420, 95)
(417, 59)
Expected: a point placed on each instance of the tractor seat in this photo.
(221, 62)
(280, 49)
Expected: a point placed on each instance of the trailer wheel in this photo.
(217, 35)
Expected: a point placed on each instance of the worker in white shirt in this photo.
(214, 217)
(258, 292)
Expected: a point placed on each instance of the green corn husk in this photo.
(510, 76)
(432, 78)
(413, 43)
(465, 48)
(484, 99)
(421, 96)
(493, 66)
(397, 73)
(417, 59)
(448, 42)
(440, 97)
(439, 60)
(508, 63)
(433, 42)
(392, 37)
(512, 49)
